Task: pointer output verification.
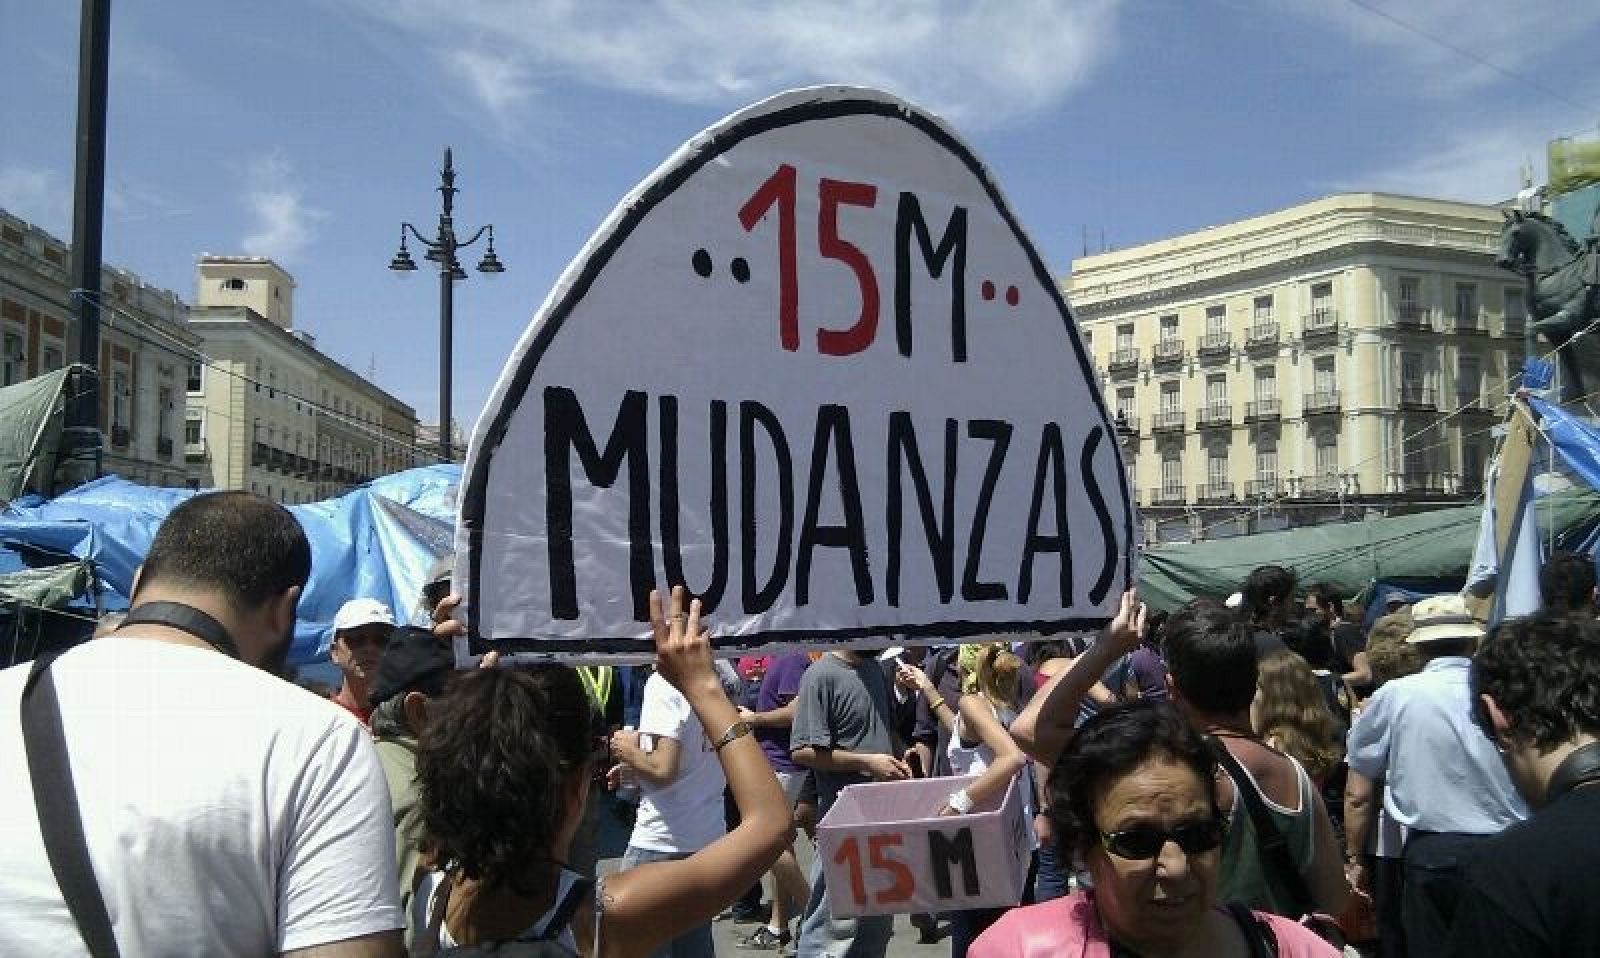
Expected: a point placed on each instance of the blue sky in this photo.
(306, 130)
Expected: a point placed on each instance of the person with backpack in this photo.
(502, 786)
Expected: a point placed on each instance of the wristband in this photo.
(960, 802)
(735, 731)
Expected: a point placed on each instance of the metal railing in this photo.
(1214, 344)
(1263, 488)
(1214, 414)
(1261, 409)
(1321, 402)
(1417, 397)
(1412, 316)
(1168, 421)
(1214, 492)
(1261, 335)
(1167, 495)
(1167, 350)
(1123, 359)
(1319, 322)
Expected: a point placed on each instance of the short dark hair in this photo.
(1566, 582)
(247, 548)
(1544, 674)
(1264, 587)
(1112, 743)
(501, 750)
(1309, 636)
(1326, 598)
(1212, 658)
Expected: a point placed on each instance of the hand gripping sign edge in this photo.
(785, 110)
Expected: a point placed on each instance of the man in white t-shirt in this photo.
(224, 810)
(680, 792)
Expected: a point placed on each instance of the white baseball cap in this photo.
(358, 612)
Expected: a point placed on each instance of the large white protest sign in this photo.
(813, 369)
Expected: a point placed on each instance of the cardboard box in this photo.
(885, 850)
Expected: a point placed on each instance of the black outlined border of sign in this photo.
(659, 188)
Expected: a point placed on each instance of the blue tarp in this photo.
(377, 541)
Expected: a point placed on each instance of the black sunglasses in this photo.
(1145, 842)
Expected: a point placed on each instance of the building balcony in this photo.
(1319, 323)
(1514, 327)
(1214, 492)
(1316, 487)
(1321, 403)
(1473, 325)
(1168, 421)
(1167, 495)
(1418, 398)
(120, 436)
(1214, 415)
(164, 447)
(1168, 350)
(1123, 361)
(1127, 426)
(258, 454)
(1468, 405)
(1423, 483)
(1214, 344)
(1413, 316)
(1262, 336)
(194, 450)
(1266, 487)
(1262, 410)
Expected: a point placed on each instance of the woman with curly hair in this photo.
(503, 769)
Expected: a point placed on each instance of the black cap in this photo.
(414, 660)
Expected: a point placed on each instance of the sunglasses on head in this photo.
(1144, 842)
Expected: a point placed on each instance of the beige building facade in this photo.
(268, 411)
(1344, 357)
(145, 349)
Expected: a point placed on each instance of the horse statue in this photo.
(1564, 285)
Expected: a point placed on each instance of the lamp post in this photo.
(442, 250)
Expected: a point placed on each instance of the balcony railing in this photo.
(1417, 397)
(1215, 344)
(1263, 488)
(1213, 415)
(1514, 327)
(1169, 350)
(1472, 325)
(1319, 322)
(1425, 483)
(1123, 360)
(194, 450)
(1168, 421)
(1319, 487)
(1321, 403)
(1261, 410)
(1214, 492)
(1471, 405)
(1412, 316)
(1125, 425)
(1261, 335)
(1167, 495)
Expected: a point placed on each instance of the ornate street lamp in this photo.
(442, 249)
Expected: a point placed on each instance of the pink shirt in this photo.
(1070, 928)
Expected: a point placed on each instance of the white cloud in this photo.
(1478, 165)
(39, 195)
(284, 224)
(979, 63)
(1513, 38)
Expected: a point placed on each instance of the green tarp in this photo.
(48, 588)
(1346, 555)
(30, 424)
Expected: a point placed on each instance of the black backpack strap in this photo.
(60, 822)
(1269, 839)
(1258, 935)
(184, 618)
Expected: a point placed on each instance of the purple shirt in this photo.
(778, 687)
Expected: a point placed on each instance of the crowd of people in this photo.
(1275, 772)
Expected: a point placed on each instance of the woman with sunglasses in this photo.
(1132, 799)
